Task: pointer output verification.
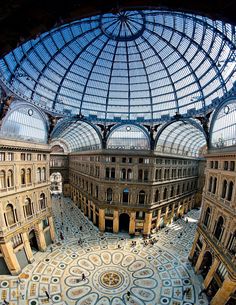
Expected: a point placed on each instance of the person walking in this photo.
(47, 294)
(83, 277)
(128, 295)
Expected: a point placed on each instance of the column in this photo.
(94, 214)
(200, 258)
(115, 221)
(166, 215)
(40, 237)
(172, 212)
(102, 220)
(132, 223)
(147, 224)
(211, 272)
(193, 246)
(178, 210)
(51, 228)
(224, 292)
(89, 210)
(158, 219)
(10, 258)
(27, 247)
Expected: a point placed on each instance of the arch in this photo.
(177, 137)
(38, 174)
(10, 215)
(22, 176)
(157, 196)
(207, 217)
(125, 195)
(128, 136)
(206, 264)
(124, 221)
(2, 179)
(223, 124)
(230, 191)
(109, 195)
(77, 134)
(28, 176)
(123, 174)
(129, 174)
(10, 178)
(165, 193)
(42, 201)
(210, 184)
(219, 228)
(141, 197)
(25, 121)
(33, 241)
(28, 207)
(56, 180)
(214, 185)
(224, 189)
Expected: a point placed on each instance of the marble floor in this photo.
(106, 269)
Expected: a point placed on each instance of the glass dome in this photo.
(129, 65)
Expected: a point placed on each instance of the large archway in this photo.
(56, 183)
(206, 264)
(124, 222)
(33, 241)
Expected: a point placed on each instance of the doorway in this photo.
(206, 264)
(33, 241)
(124, 222)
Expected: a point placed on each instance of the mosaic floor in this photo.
(89, 268)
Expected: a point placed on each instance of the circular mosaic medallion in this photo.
(111, 279)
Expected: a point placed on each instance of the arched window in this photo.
(123, 173)
(28, 207)
(207, 216)
(129, 174)
(113, 173)
(183, 188)
(146, 175)
(109, 194)
(156, 174)
(172, 192)
(141, 197)
(43, 174)
(178, 188)
(219, 228)
(10, 216)
(159, 175)
(38, 174)
(125, 196)
(107, 172)
(230, 191)
(184, 172)
(22, 174)
(140, 175)
(2, 179)
(210, 184)
(157, 196)
(232, 165)
(214, 185)
(165, 194)
(10, 182)
(226, 165)
(187, 186)
(42, 201)
(28, 175)
(224, 188)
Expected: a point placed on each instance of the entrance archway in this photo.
(33, 241)
(56, 183)
(124, 222)
(206, 264)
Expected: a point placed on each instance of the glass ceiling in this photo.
(129, 65)
(181, 138)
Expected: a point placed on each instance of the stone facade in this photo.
(134, 191)
(214, 249)
(26, 223)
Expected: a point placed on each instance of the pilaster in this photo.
(102, 220)
(115, 221)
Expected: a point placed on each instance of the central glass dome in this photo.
(126, 65)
